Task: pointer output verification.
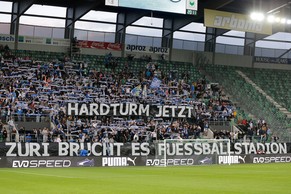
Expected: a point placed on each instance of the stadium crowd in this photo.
(39, 91)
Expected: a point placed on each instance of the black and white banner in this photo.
(105, 161)
(160, 149)
(63, 155)
(125, 161)
(272, 158)
(129, 109)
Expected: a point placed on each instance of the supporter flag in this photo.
(144, 91)
(193, 87)
(167, 92)
(156, 83)
(136, 91)
(232, 123)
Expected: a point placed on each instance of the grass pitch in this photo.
(247, 178)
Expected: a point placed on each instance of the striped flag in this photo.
(144, 91)
(156, 83)
(136, 91)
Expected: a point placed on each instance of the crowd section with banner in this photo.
(60, 155)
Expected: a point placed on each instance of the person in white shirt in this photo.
(58, 139)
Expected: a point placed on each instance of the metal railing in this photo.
(30, 118)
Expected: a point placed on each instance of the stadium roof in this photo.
(237, 6)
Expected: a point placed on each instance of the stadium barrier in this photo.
(62, 155)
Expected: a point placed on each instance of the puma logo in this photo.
(242, 158)
(131, 160)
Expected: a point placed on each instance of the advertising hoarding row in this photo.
(86, 44)
(63, 155)
(125, 161)
(35, 40)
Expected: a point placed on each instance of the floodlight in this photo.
(257, 16)
(271, 18)
(260, 17)
(253, 16)
(283, 20)
(288, 21)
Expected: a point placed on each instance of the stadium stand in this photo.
(48, 70)
(254, 99)
(42, 93)
(36, 85)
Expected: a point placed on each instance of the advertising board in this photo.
(64, 155)
(146, 49)
(100, 45)
(272, 60)
(235, 21)
(35, 40)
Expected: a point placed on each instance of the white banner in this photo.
(14, 149)
(129, 109)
